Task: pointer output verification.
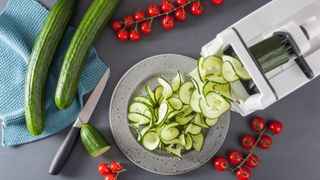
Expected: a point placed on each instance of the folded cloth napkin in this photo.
(20, 23)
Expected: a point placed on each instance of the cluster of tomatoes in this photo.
(129, 28)
(110, 171)
(248, 142)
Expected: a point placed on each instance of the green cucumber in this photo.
(143, 100)
(214, 105)
(177, 81)
(238, 67)
(93, 140)
(167, 88)
(46, 44)
(213, 67)
(211, 122)
(169, 132)
(163, 111)
(194, 101)
(188, 140)
(229, 72)
(151, 95)
(193, 129)
(138, 118)
(158, 94)
(90, 26)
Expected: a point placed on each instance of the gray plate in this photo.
(131, 84)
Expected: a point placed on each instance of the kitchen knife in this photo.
(66, 147)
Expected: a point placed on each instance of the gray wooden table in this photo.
(294, 155)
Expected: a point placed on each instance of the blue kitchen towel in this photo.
(20, 23)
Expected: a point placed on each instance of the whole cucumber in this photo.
(92, 23)
(45, 46)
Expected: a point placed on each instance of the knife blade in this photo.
(66, 147)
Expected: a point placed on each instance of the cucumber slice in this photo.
(194, 101)
(93, 140)
(214, 105)
(180, 140)
(187, 110)
(167, 88)
(185, 92)
(169, 132)
(158, 94)
(151, 140)
(151, 94)
(201, 70)
(141, 108)
(197, 142)
(176, 82)
(162, 112)
(175, 103)
(143, 132)
(228, 72)
(222, 89)
(198, 84)
(144, 100)
(138, 118)
(193, 129)
(188, 140)
(198, 120)
(211, 122)
(183, 120)
(238, 67)
(175, 151)
(213, 69)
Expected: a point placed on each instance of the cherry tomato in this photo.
(123, 35)
(116, 25)
(265, 142)
(167, 6)
(180, 14)
(153, 10)
(110, 176)
(181, 2)
(243, 173)
(134, 35)
(247, 141)
(146, 27)
(103, 169)
(167, 22)
(197, 8)
(217, 2)
(252, 161)
(221, 164)
(116, 167)
(128, 21)
(235, 157)
(258, 124)
(275, 127)
(139, 15)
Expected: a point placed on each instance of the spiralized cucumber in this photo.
(173, 116)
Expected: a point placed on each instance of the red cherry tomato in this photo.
(180, 14)
(265, 142)
(181, 2)
(167, 22)
(235, 157)
(197, 8)
(252, 161)
(116, 25)
(247, 141)
(110, 176)
(134, 35)
(139, 15)
(221, 164)
(153, 10)
(103, 169)
(123, 35)
(275, 127)
(243, 173)
(116, 167)
(258, 124)
(128, 21)
(167, 6)
(146, 27)
(217, 2)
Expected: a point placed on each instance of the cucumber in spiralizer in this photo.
(90, 26)
(45, 46)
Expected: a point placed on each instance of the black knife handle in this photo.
(64, 151)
